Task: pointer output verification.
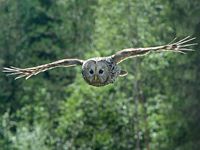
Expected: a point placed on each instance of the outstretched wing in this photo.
(28, 72)
(132, 52)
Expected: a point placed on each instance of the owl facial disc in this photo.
(96, 71)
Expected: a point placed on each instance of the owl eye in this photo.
(100, 71)
(91, 71)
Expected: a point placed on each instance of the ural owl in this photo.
(100, 71)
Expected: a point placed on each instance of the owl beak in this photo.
(95, 78)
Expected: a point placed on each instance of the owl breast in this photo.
(100, 71)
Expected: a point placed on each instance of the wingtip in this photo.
(181, 52)
(16, 78)
(12, 67)
(5, 69)
(30, 75)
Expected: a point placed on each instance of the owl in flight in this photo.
(100, 71)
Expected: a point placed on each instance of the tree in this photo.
(58, 110)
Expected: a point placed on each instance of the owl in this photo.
(101, 71)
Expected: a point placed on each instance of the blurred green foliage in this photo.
(57, 110)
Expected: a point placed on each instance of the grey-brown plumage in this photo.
(100, 71)
(103, 68)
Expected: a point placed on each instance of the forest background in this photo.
(156, 106)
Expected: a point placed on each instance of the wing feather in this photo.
(132, 52)
(28, 72)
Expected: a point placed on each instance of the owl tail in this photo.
(123, 73)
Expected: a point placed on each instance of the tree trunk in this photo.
(135, 92)
(144, 115)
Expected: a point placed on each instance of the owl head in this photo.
(96, 72)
